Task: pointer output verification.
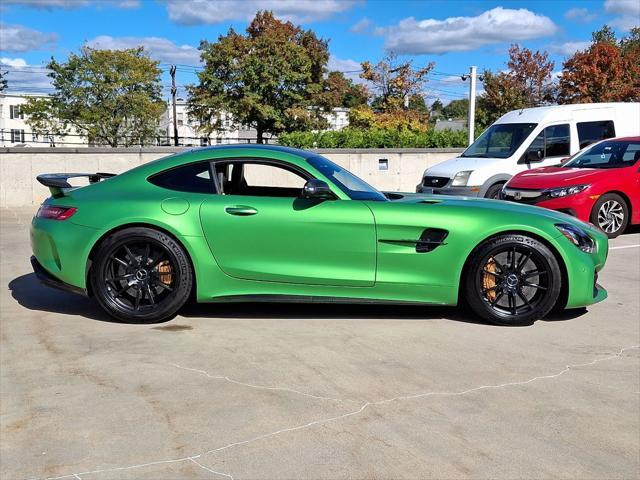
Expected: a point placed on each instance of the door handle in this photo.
(241, 210)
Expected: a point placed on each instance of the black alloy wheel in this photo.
(514, 280)
(141, 275)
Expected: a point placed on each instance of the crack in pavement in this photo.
(364, 406)
(260, 387)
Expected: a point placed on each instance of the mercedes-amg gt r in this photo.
(266, 223)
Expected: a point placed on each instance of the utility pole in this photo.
(472, 101)
(174, 90)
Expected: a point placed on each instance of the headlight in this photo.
(460, 179)
(564, 191)
(578, 237)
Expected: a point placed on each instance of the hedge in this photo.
(374, 138)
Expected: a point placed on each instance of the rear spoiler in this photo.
(58, 182)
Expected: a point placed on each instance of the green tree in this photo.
(3, 81)
(340, 91)
(437, 108)
(456, 109)
(112, 97)
(604, 35)
(268, 78)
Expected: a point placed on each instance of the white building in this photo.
(338, 118)
(190, 135)
(15, 132)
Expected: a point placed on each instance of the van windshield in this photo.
(500, 140)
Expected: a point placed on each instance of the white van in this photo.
(526, 139)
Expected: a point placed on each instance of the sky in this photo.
(455, 34)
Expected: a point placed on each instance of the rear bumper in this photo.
(51, 281)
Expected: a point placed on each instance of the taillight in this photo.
(55, 213)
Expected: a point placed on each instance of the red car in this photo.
(600, 184)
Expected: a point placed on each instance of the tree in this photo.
(112, 97)
(268, 78)
(3, 81)
(394, 80)
(608, 71)
(457, 109)
(604, 35)
(526, 83)
(417, 104)
(437, 108)
(340, 91)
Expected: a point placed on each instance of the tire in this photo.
(141, 275)
(498, 282)
(610, 214)
(494, 191)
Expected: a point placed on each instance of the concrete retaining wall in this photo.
(20, 166)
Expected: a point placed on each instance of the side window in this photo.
(553, 141)
(590, 132)
(193, 178)
(259, 179)
(557, 143)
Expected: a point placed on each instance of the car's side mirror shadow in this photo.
(316, 189)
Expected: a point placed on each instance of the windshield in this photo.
(354, 187)
(500, 140)
(607, 154)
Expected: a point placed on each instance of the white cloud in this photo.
(196, 12)
(17, 38)
(350, 68)
(456, 34)
(362, 25)
(22, 77)
(161, 49)
(568, 48)
(629, 11)
(71, 4)
(581, 15)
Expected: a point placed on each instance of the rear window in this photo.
(590, 132)
(193, 178)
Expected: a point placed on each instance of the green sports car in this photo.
(266, 223)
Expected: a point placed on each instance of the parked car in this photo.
(249, 223)
(525, 139)
(601, 185)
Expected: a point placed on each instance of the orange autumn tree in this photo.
(607, 71)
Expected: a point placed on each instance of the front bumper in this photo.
(472, 191)
(578, 205)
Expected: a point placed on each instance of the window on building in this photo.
(590, 132)
(17, 136)
(15, 112)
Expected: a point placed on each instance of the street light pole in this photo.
(472, 104)
(174, 90)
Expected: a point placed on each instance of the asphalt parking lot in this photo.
(298, 391)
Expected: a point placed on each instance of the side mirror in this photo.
(317, 190)
(533, 156)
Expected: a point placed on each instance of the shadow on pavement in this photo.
(31, 294)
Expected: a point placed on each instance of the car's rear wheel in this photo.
(610, 214)
(512, 280)
(141, 275)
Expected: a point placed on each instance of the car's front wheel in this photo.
(141, 275)
(611, 214)
(512, 280)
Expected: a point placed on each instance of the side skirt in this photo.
(270, 298)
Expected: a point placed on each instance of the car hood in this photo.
(450, 167)
(548, 177)
(497, 208)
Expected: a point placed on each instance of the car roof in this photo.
(564, 112)
(261, 147)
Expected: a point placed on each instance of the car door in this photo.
(550, 146)
(258, 228)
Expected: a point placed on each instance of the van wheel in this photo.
(494, 191)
